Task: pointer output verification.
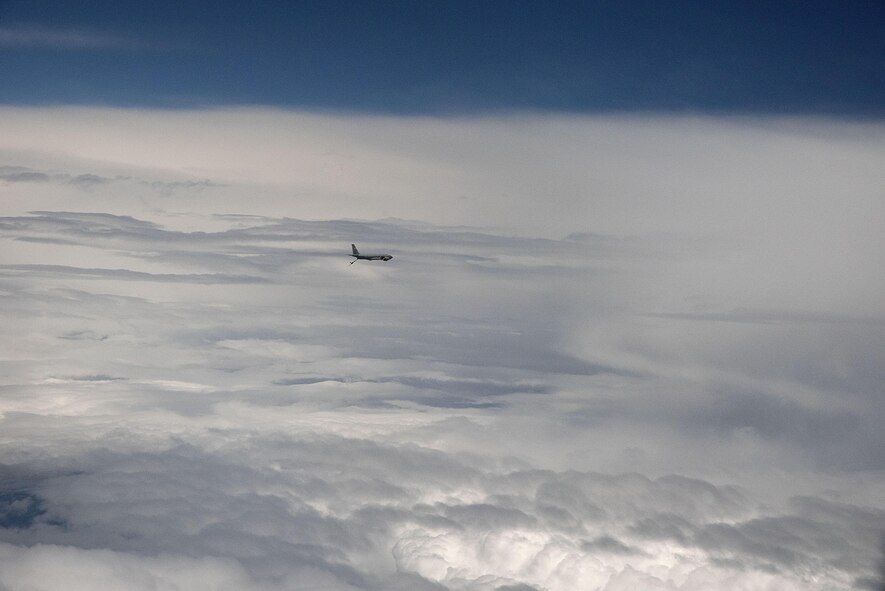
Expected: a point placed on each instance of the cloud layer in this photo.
(202, 396)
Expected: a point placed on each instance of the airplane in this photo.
(368, 257)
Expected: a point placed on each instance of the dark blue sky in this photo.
(803, 57)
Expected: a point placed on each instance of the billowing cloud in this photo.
(200, 395)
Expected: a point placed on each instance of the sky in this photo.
(632, 335)
(809, 57)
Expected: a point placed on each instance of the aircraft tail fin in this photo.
(355, 251)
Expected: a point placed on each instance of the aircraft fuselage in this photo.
(359, 256)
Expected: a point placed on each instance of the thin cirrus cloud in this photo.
(35, 36)
(647, 389)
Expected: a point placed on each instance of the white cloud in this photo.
(622, 359)
(45, 567)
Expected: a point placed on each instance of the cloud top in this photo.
(644, 374)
